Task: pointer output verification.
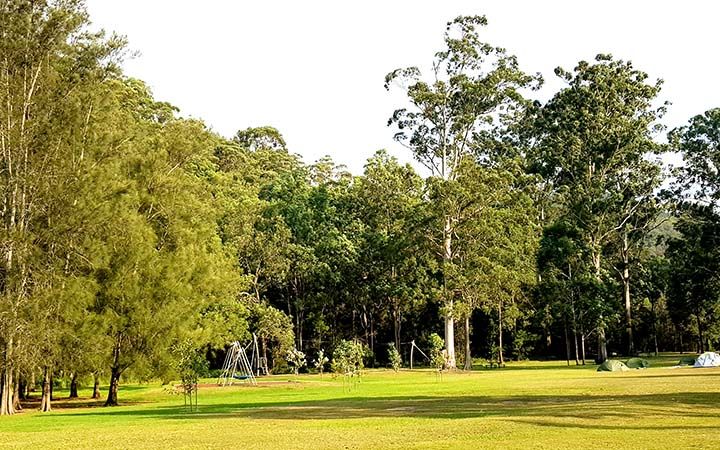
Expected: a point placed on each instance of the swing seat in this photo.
(241, 377)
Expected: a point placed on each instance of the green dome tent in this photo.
(687, 361)
(637, 363)
(612, 365)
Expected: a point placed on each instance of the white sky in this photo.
(315, 69)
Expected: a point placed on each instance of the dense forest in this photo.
(132, 235)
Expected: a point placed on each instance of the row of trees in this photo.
(130, 232)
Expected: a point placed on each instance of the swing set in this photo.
(238, 366)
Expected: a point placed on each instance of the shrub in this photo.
(437, 351)
(394, 357)
(348, 358)
(320, 362)
(297, 359)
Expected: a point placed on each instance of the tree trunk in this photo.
(468, 356)
(23, 388)
(680, 338)
(450, 339)
(700, 332)
(602, 343)
(577, 349)
(46, 398)
(626, 294)
(6, 392)
(449, 320)
(602, 346)
(567, 343)
(16, 391)
(500, 333)
(582, 343)
(112, 398)
(396, 325)
(96, 386)
(372, 338)
(574, 329)
(73, 386)
(115, 371)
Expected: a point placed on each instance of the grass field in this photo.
(526, 405)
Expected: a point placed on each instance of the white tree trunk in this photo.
(626, 294)
(449, 320)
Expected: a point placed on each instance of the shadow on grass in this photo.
(543, 410)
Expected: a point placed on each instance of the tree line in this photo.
(132, 234)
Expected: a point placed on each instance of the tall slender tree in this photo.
(453, 114)
(594, 137)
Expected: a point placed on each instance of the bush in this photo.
(437, 353)
(523, 344)
(297, 359)
(348, 358)
(394, 357)
(321, 361)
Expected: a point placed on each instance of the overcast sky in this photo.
(315, 69)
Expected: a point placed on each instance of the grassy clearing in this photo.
(526, 405)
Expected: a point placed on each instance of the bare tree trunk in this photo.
(680, 336)
(574, 328)
(115, 371)
(654, 323)
(6, 392)
(46, 398)
(73, 386)
(700, 332)
(582, 343)
(468, 356)
(602, 343)
(577, 350)
(501, 361)
(96, 386)
(23, 388)
(112, 398)
(396, 326)
(626, 294)
(567, 342)
(449, 319)
(16, 391)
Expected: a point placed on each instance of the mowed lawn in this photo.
(526, 405)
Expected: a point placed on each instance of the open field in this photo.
(526, 405)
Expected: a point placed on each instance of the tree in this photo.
(158, 260)
(699, 144)
(48, 68)
(496, 237)
(262, 138)
(386, 200)
(593, 138)
(695, 282)
(454, 114)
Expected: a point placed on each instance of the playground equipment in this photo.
(236, 366)
(257, 362)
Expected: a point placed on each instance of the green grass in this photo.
(526, 405)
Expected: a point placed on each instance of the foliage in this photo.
(348, 358)
(437, 352)
(133, 236)
(190, 364)
(394, 358)
(320, 361)
(297, 359)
